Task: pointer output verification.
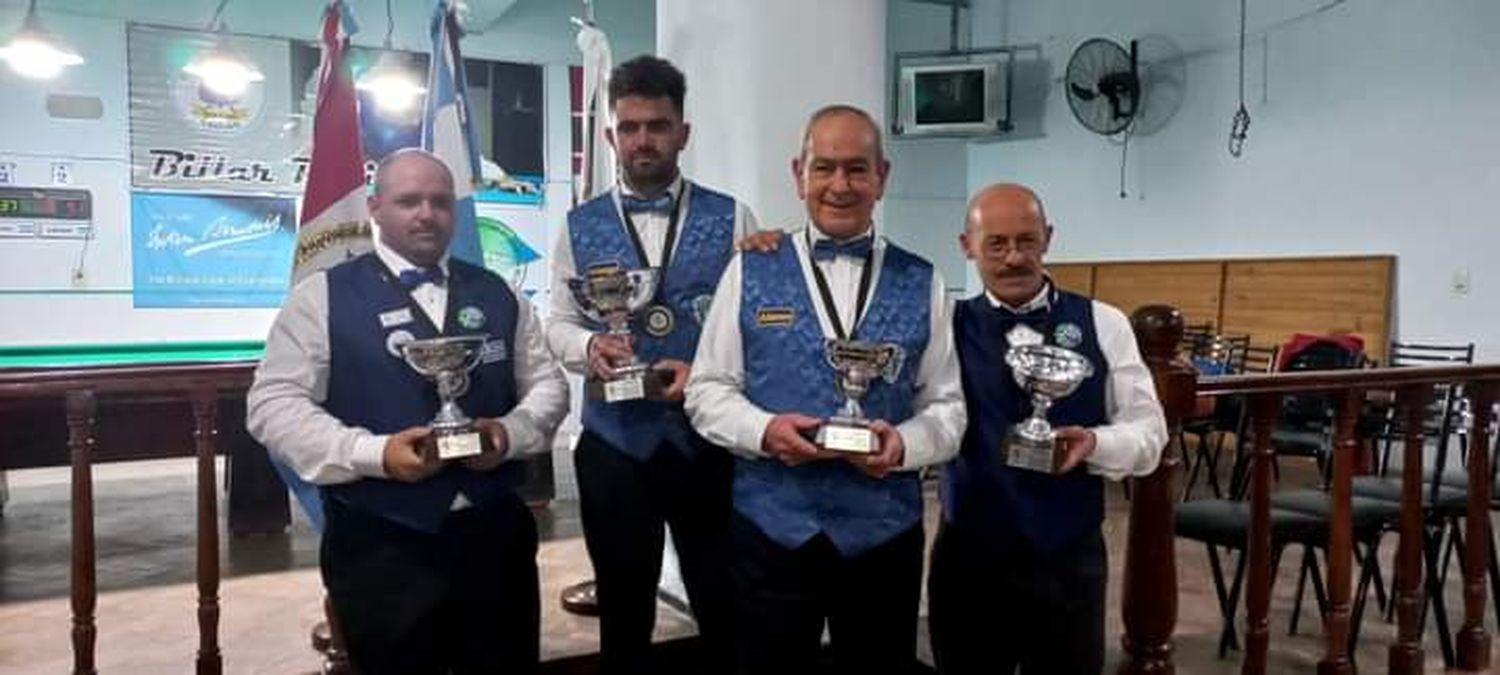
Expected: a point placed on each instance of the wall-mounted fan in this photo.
(1103, 85)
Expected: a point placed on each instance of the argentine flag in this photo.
(445, 127)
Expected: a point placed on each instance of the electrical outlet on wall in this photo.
(1460, 283)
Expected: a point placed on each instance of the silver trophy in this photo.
(447, 362)
(610, 294)
(857, 365)
(1047, 373)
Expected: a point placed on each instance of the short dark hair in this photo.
(647, 76)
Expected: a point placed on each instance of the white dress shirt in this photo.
(715, 393)
(1131, 443)
(568, 330)
(285, 403)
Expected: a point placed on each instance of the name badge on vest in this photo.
(493, 350)
(775, 317)
(395, 317)
(1023, 335)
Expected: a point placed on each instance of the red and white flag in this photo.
(335, 222)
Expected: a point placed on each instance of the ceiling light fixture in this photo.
(35, 53)
(220, 68)
(390, 82)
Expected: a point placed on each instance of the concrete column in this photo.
(755, 71)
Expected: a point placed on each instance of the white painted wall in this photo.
(53, 310)
(1374, 131)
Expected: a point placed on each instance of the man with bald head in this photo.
(821, 535)
(1018, 568)
(431, 566)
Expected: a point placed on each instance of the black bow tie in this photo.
(412, 278)
(828, 249)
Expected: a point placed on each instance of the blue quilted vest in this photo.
(786, 371)
(705, 242)
(1016, 510)
(370, 385)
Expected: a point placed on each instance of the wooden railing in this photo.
(1150, 586)
(200, 386)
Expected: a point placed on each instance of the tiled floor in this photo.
(271, 594)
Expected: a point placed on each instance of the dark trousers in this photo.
(992, 612)
(783, 597)
(625, 503)
(463, 600)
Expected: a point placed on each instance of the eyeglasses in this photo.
(998, 247)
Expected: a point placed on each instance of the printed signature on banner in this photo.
(222, 232)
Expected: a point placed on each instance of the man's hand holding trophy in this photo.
(1047, 373)
(610, 294)
(416, 453)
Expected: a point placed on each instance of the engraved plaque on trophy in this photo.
(447, 362)
(611, 294)
(1046, 373)
(856, 366)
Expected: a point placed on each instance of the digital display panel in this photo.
(51, 204)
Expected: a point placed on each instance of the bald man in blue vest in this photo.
(431, 565)
(820, 536)
(1018, 569)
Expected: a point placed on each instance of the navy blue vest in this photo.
(786, 371)
(1017, 510)
(705, 242)
(370, 385)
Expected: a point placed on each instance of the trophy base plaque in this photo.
(842, 434)
(445, 444)
(1033, 455)
(632, 385)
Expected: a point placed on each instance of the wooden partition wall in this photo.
(1268, 299)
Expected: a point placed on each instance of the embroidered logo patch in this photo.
(471, 317)
(774, 317)
(700, 307)
(1067, 335)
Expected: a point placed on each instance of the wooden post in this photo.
(1149, 597)
(1263, 410)
(1473, 640)
(1341, 535)
(80, 415)
(205, 429)
(1405, 656)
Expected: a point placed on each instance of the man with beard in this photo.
(1022, 549)
(639, 463)
(431, 565)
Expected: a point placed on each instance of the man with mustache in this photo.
(821, 536)
(431, 566)
(640, 465)
(1022, 549)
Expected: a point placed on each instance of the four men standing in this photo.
(431, 566)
